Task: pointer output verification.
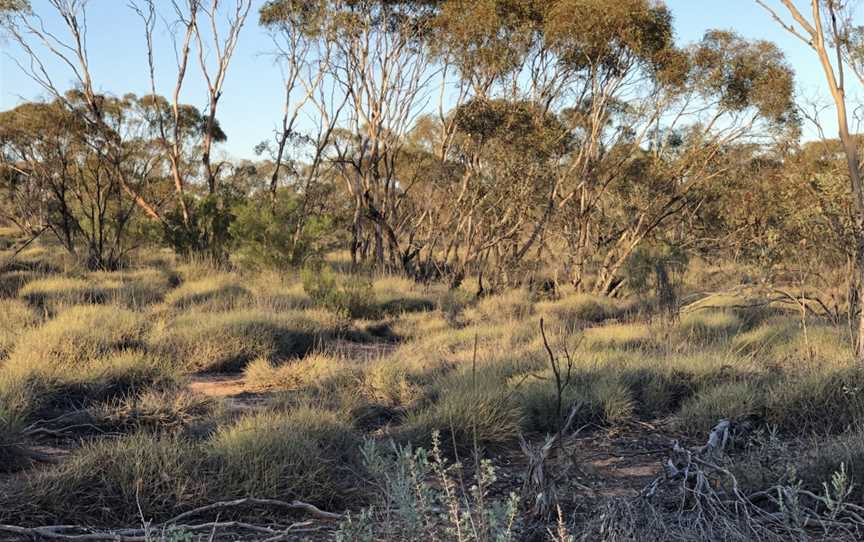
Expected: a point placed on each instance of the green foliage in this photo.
(207, 229)
(277, 232)
(413, 481)
(352, 297)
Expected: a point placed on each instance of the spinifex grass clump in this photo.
(307, 454)
(226, 341)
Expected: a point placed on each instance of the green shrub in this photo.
(763, 339)
(277, 232)
(538, 400)
(306, 454)
(352, 297)
(45, 390)
(619, 336)
(155, 409)
(821, 401)
(54, 292)
(391, 383)
(314, 371)
(576, 308)
(513, 304)
(708, 327)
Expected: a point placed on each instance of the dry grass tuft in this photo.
(227, 341)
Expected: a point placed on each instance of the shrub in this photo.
(391, 383)
(13, 454)
(615, 400)
(822, 401)
(277, 232)
(538, 400)
(817, 463)
(708, 327)
(11, 282)
(306, 454)
(207, 341)
(513, 304)
(156, 409)
(764, 338)
(52, 293)
(317, 370)
(43, 389)
(135, 288)
(353, 297)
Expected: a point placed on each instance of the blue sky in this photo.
(251, 104)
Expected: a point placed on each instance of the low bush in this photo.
(820, 401)
(13, 454)
(44, 390)
(55, 292)
(352, 297)
(11, 282)
(620, 337)
(538, 400)
(708, 327)
(734, 401)
(511, 305)
(155, 409)
(318, 371)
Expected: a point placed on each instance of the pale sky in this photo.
(251, 104)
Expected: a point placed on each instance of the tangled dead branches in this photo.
(181, 523)
(698, 497)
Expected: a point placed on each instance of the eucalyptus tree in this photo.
(646, 122)
(203, 35)
(828, 28)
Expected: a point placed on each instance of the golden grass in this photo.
(76, 336)
(307, 454)
(225, 341)
(210, 292)
(17, 318)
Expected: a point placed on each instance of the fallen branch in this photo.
(273, 534)
(310, 509)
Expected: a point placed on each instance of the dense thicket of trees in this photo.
(508, 138)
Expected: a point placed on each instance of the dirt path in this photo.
(230, 388)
